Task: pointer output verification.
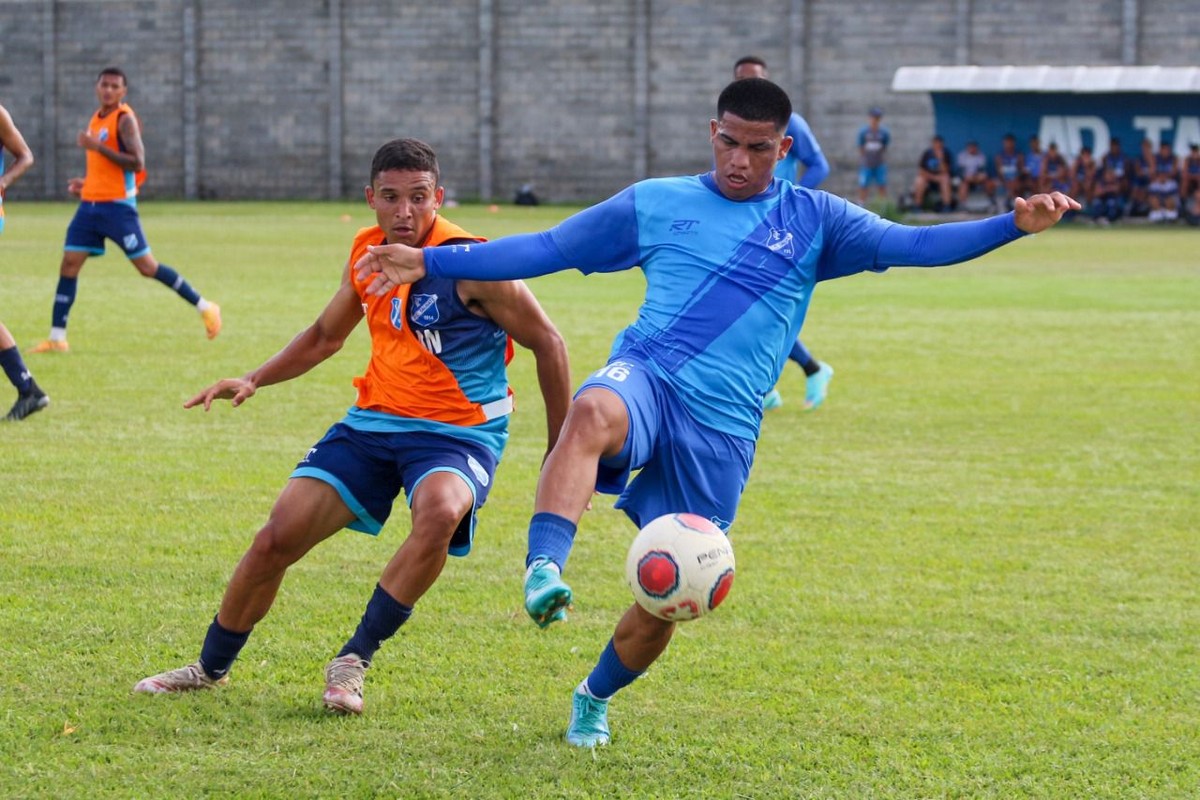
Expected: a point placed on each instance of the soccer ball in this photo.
(680, 567)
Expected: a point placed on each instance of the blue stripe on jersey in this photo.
(728, 284)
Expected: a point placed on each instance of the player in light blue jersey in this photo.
(730, 259)
(804, 150)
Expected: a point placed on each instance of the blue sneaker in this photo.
(772, 400)
(546, 596)
(589, 720)
(817, 386)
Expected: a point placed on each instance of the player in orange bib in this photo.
(108, 210)
(431, 419)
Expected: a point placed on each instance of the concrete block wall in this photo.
(290, 98)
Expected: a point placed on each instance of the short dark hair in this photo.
(113, 71)
(755, 60)
(411, 155)
(756, 100)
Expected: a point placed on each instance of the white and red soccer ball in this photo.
(680, 567)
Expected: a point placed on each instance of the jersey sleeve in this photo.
(851, 236)
(851, 233)
(602, 238)
(948, 243)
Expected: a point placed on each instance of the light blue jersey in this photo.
(748, 266)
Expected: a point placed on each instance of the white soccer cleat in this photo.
(184, 679)
(344, 684)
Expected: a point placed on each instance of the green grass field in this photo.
(974, 573)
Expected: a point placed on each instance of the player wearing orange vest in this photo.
(430, 418)
(108, 210)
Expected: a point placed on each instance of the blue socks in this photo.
(64, 298)
(609, 675)
(551, 536)
(381, 620)
(14, 368)
(220, 650)
(173, 280)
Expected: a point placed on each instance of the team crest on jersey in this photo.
(102, 135)
(397, 315)
(780, 242)
(423, 309)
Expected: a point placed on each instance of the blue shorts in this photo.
(875, 175)
(95, 222)
(368, 470)
(685, 466)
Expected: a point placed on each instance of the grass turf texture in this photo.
(972, 573)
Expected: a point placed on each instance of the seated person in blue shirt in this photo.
(731, 258)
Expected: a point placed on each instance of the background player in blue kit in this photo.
(730, 258)
(804, 150)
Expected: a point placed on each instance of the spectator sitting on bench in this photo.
(933, 169)
(972, 169)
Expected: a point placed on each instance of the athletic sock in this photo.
(609, 676)
(383, 617)
(172, 279)
(220, 650)
(14, 368)
(804, 358)
(64, 298)
(550, 536)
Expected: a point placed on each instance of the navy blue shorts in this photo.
(684, 466)
(95, 222)
(369, 469)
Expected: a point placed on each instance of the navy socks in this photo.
(14, 368)
(381, 620)
(220, 650)
(64, 298)
(173, 280)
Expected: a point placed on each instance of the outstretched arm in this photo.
(954, 242)
(524, 255)
(311, 346)
(602, 238)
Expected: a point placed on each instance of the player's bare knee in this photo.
(590, 422)
(435, 521)
(272, 550)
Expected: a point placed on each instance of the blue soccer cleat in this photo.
(589, 720)
(817, 386)
(772, 400)
(546, 596)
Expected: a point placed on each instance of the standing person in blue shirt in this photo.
(873, 141)
(804, 150)
(730, 258)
